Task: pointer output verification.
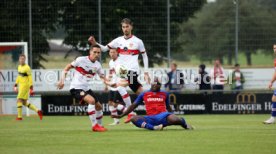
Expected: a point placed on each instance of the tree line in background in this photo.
(197, 28)
(211, 33)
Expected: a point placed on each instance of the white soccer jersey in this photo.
(85, 70)
(112, 66)
(128, 50)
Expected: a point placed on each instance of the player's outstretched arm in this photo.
(60, 84)
(93, 41)
(122, 83)
(146, 66)
(129, 109)
(139, 100)
(107, 81)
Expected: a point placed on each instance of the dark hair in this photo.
(113, 49)
(127, 21)
(218, 59)
(95, 46)
(202, 66)
(157, 81)
(22, 55)
(237, 65)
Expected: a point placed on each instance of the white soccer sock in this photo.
(92, 114)
(116, 120)
(122, 108)
(99, 117)
(113, 111)
(125, 96)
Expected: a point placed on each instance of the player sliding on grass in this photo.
(158, 110)
(86, 67)
(25, 82)
(129, 47)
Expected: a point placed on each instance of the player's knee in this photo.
(89, 100)
(20, 100)
(98, 106)
(24, 102)
(173, 119)
(273, 98)
(134, 119)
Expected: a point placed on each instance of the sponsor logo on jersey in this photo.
(90, 71)
(130, 45)
(125, 48)
(156, 99)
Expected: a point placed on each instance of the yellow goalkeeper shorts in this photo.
(23, 92)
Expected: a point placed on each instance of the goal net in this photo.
(9, 55)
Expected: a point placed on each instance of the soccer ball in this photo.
(121, 71)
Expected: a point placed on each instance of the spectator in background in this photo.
(176, 79)
(237, 80)
(217, 76)
(203, 79)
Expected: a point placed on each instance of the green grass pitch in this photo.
(214, 134)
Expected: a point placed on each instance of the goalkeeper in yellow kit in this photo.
(25, 82)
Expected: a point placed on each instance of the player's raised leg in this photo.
(34, 108)
(174, 120)
(142, 122)
(126, 98)
(121, 108)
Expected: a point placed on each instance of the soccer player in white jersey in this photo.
(271, 120)
(86, 68)
(129, 47)
(114, 97)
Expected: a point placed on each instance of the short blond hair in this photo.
(22, 55)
